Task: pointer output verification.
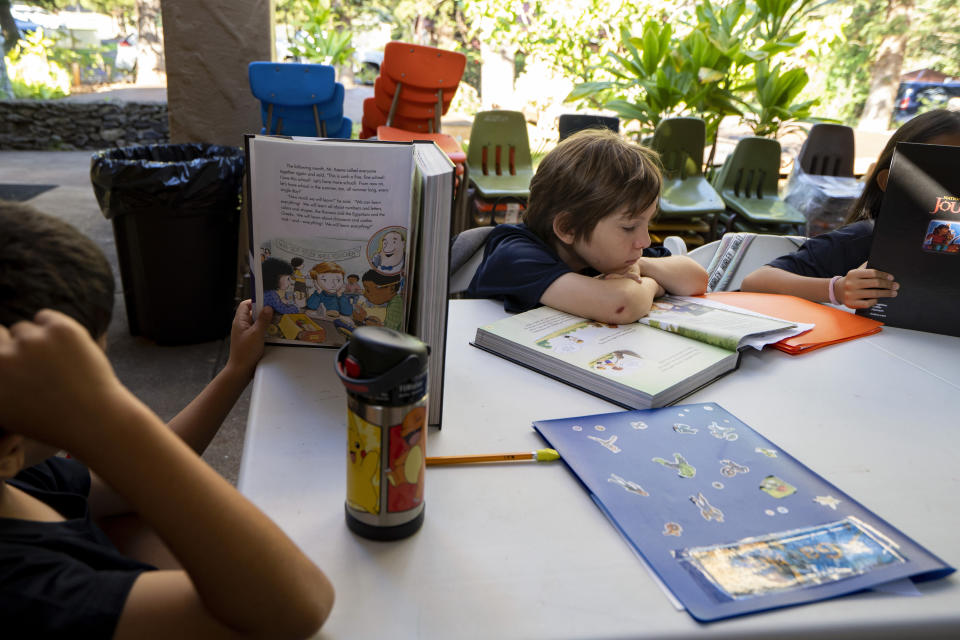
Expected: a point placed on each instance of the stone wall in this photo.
(52, 125)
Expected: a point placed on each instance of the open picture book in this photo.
(728, 521)
(681, 345)
(917, 239)
(349, 233)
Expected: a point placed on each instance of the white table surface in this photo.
(520, 550)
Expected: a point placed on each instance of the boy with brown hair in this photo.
(184, 554)
(583, 246)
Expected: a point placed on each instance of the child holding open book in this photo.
(135, 536)
(832, 267)
(583, 246)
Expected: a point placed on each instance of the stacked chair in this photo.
(748, 184)
(822, 185)
(299, 99)
(499, 166)
(415, 87)
(689, 205)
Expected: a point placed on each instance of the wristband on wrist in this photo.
(833, 297)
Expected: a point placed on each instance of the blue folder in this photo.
(729, 521)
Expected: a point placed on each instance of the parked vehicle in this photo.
(916, 97)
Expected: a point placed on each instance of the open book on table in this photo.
(731, 523)
(683, 344)
(347, 233)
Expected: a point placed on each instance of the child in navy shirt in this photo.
(832, 267)
(135, 535)
(583, 246)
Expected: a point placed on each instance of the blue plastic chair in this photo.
(298, 99)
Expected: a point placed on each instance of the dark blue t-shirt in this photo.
(518, 267)
(831, 254)
(61, 579)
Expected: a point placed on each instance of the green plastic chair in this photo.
(747, 182)
(498, 158)
(686, 193)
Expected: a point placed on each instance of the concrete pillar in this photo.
(208, 45)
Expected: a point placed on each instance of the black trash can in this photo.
(175, 211)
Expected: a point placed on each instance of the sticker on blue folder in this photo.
(728, 527)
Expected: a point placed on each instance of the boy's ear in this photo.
(561, 229)
(11, 455)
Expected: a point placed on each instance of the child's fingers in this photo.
(264, 318)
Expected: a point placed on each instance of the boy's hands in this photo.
(55, 380)
(862, 287)
(246, 336)
(633, 273)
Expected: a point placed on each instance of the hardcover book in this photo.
(347, 233)
(681, 345)
(916, 238)
(730, 522)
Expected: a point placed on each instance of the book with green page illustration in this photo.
(682, 344)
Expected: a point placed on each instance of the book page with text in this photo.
(331, 223)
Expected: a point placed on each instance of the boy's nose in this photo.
(642, 239)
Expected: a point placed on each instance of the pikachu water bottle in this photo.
(385, 373)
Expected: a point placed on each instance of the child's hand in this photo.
(246, 336)
(633, 274)
(862, 288)
(54, 380)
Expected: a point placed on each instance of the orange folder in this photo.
(831, 325)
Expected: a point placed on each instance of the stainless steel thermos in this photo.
(385, 374)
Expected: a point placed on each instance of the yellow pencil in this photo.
(540, 455)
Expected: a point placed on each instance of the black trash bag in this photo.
(175, 211)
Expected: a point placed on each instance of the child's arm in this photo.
(616, 299)
(242, 576)
(860, 288)
(678, 275)
(198, 422)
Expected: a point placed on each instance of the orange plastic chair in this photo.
(421, 70)
(449, 144)
(415, 94)
(373, 117)
(405, 109)
(418, 72)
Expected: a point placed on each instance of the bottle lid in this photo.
(378, 359)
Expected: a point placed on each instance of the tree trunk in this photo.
(151, 70)
(886, 69)
(8, 28)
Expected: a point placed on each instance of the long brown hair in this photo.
(923, 128)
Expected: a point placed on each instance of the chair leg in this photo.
(269, 118)
(319, 124)
(393, 104)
